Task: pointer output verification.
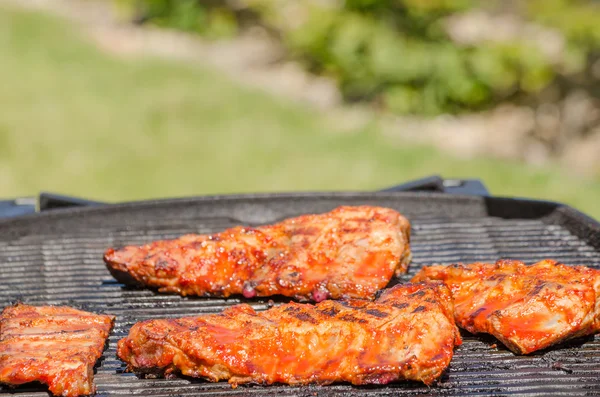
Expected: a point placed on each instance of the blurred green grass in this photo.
(78, 121)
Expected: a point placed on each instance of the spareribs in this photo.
(55, 345)
(407, 333)
(350, 252)
(526, 307)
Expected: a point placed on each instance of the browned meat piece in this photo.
(54, 345)
(407, 333)
(350, 252)
(526, 307)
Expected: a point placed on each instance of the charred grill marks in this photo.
(376, 313)
(350, 252)
(527, 308)
(302, 343)
(351, 318)
(330, 312)
(304, 316)
(55, 345)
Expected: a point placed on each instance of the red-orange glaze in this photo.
(407, 333)
(526, 307)
(350, 252)
(54, 345)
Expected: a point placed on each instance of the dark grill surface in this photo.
(56, 258)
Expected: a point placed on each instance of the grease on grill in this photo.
(557, 365)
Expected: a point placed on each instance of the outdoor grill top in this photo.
(56, 258)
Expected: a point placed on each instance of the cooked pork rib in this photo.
(407, 333)
(54, 345)
(350, 252)
(526, 307)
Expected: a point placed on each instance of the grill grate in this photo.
(57, 259)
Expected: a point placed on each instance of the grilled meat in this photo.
(350, 252)
(54, 345)
(407, 333)
(526, 307)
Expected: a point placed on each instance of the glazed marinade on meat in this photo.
(526, 307)
(407, 333)
(54, 345)
(350, 252)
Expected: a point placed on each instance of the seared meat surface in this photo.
(526, 307)
(407, 333)
(54, 345)
(350, 252)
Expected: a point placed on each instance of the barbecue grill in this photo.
(55, 257)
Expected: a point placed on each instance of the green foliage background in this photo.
(83, 122)
(396, 53)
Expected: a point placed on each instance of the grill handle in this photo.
(17, 207)
(436, 183)
(50, 201)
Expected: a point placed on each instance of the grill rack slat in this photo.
(60, 262)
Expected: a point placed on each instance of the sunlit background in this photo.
(137, 99)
